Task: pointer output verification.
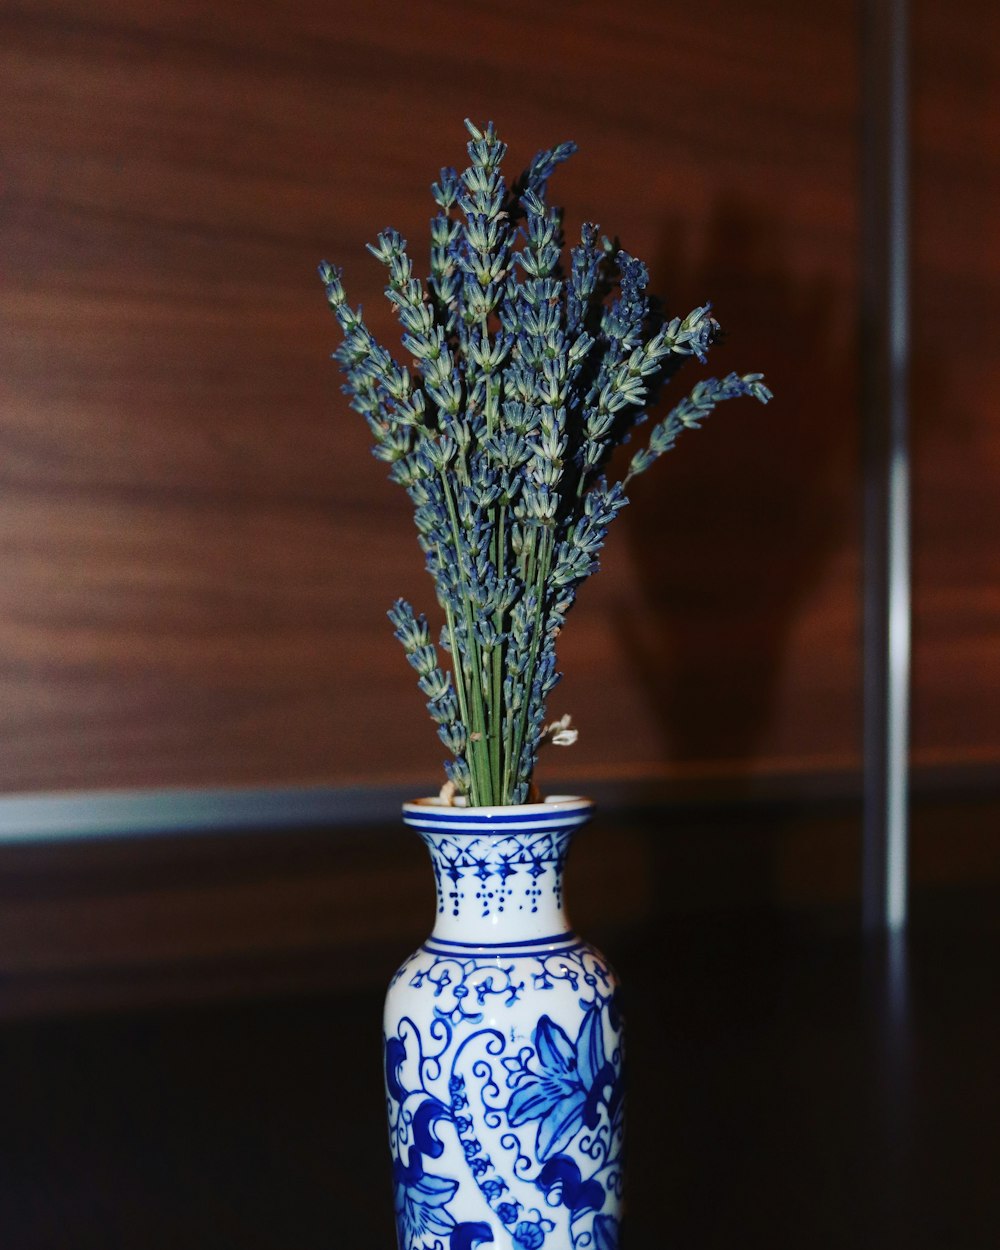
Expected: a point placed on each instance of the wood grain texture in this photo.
(956, 381)
(197, 549)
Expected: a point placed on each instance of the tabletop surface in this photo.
(775, 1099)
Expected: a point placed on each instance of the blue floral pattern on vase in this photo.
(503, 1058)
(575, 1086)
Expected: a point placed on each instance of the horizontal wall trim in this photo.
(129, 813)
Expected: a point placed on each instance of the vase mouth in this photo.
(571, 804)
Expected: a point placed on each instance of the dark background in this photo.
(196, 552)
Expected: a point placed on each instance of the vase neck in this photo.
(498, 872)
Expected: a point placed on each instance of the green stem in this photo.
(508, 764)
(458, 673)
(497, 719)
(544, 560)
(476, 725)
(496, 724)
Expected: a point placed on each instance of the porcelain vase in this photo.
(503, 1046)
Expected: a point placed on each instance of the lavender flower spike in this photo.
(527, 371)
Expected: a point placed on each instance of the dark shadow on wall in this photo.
(734, 530)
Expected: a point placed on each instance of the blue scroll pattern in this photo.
(502, 1136)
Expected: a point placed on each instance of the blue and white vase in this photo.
(503, 1046)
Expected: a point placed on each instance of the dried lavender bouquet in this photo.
(525, 380)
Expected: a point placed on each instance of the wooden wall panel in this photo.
(956, 383)
(196, 548)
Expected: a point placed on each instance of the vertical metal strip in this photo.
(886, 468)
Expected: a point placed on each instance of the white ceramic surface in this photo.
(503, 1046)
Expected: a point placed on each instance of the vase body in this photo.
(503, 1046)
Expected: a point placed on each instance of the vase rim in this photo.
(548, 806)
